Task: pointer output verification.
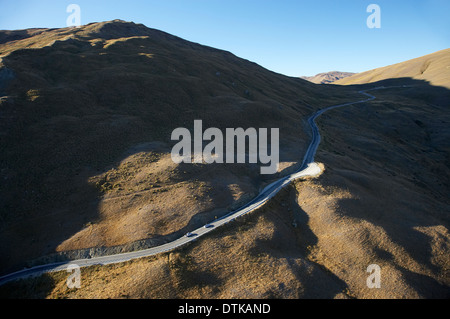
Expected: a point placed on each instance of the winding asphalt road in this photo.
(308, 168)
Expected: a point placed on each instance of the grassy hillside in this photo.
(434, 68)
(381, 200)
(85, 126)
(85, 163)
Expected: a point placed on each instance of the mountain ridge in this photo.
(433, 67)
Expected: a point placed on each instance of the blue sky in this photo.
(292, 37)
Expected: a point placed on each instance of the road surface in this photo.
(308, 168)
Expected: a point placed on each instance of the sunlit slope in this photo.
(434, 68)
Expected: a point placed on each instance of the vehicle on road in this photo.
(190, 234)
(209, 226)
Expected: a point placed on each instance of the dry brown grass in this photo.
(433, 68)
(303, 244)
(256, 257)
(306, 243)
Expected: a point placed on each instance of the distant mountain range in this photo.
(328, 77)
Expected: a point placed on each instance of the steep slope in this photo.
(328, 77)
(434, 68)
(85, 134)
(381, 200)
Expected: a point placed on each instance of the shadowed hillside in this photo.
(85, 125)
